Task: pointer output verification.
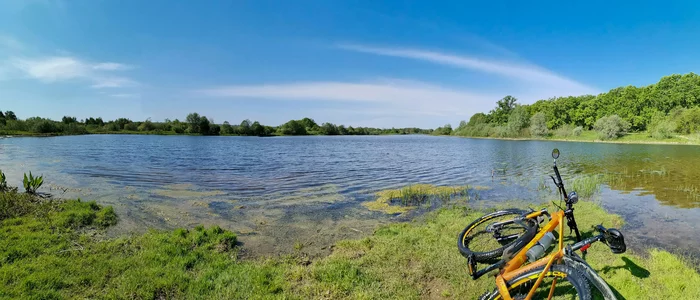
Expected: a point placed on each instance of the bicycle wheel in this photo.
(591, 276)
(570, 284)
(487, 237)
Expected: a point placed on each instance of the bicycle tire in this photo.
(490, 255)
(572, 275)
(584, 268)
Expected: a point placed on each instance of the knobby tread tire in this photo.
(574, 276)
(495, 254)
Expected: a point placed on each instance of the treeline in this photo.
(670, 106)
(194, 124)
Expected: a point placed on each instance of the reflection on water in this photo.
(279, 191)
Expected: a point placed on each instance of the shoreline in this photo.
(409, 260)
(553, 139)
(580, 141)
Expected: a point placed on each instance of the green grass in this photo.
(55, 249)
(407, 198)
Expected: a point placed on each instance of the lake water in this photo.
(280, 191)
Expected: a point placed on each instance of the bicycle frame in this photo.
(513, 267)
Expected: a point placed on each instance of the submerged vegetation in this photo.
(55, 249)
(194, 124)
(395, 201)
(659, 111)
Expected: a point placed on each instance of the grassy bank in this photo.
(591, 136)
(55, 249)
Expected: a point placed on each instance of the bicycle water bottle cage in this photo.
(615, 240)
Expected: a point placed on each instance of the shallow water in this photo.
(281, 191)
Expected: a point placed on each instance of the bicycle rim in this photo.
(568, 284)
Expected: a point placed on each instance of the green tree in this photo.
(503, 108)
(329, 129)
(538, 124)
(611, 127)
(293, 127)
(309, 124)
(146, 125)
(257, 129)
(194, 121)
(444, 130)
(69, 120)
(204, 125)
(226, 128)
(121, 122)
(10, 115)
(518, 119)
(244, 128)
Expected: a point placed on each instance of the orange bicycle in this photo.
(524, 272)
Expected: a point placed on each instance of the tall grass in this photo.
(404, 199)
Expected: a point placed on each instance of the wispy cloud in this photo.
(111, 66)
(125, 95)
(397, 94)
(518, 71)
(11, 43)
(113, 82)
(62, 68)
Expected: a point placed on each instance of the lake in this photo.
(280, 191)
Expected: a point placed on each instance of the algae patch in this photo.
(184, 191)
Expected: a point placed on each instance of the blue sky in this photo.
(360, 63)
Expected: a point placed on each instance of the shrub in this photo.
(611, 127)
(74, 128)
(131, 127)
(661, 126)
(45, 126)
(146, 126)
(518, 119)
(577, 131)
(112, 127)
(538, 124)
(178, 129)
(689, 121)
(565, 130)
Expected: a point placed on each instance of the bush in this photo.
(611, 127)
(146, 126)
(577, 131)
(565, 130)
(661, 126)
(45, 126)
(131, 127)
(112, 127)
(74, 128)
(518, 119)
(538, 124)
(689, 121)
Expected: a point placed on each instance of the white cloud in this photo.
(52, 69)
(125, 95)
(64, 68)
(113, 82)
(111, 66)
(521, 72)
(395, 94)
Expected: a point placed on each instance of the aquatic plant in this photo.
(3, 182)
(31, 183)
(401, 200)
